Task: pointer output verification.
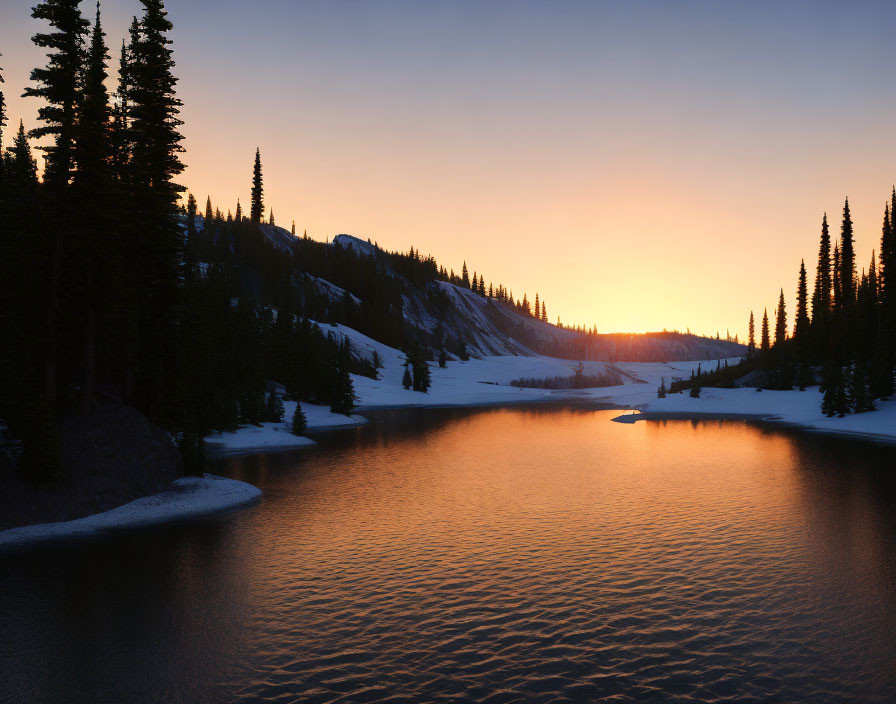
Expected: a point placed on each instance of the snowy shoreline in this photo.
(476, 383)
(186, 498)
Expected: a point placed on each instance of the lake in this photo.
(499, 555)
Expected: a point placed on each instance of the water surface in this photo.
(510, 555)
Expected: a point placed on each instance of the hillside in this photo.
(439, 313)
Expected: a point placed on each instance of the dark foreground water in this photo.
(494, 556)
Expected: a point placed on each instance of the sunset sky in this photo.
(641, 165)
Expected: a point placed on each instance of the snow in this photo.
(187, 497)
(269, 437)
(362, 247)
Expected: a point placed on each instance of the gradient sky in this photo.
(641, 165)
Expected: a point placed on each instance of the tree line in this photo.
(844, 329)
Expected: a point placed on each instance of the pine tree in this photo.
(661, 392)
(859, 392)
(544, 313)
(780, 321)
(765, 342)
(271, 219)
(293, 230)
(343, 394)
(238, 217)
(92, 224)
(465, 277)
(407, 380)
(751, 346)
(257, 207)
(443, 358)
(299, 420)
(821, 297)
(209, 215)
(801, 323)
(191, 216)
(836, 280)
(847, 261)
(153, 112)
(695, 385)
(421, 379)
(58, 84)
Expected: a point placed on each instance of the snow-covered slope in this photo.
(443, 313)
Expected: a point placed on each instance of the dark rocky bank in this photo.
(109, 458)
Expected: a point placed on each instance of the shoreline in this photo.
(766, 418)
(219, 494)
(187, 498)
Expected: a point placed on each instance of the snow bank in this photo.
(188, 497)
(800, 408)
(269, 437)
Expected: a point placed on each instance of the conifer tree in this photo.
(443, 358)
(544, 313)
(859, 392)
(835, 401)
(238, 217)
(801, 323)
(751, 345)
(57, 84)
(765, 343)
(209, 215)
(661, 392)
(343, 394)
(821, 297)
(154, 122)
(257, 205)
(191, 216)
(407, 380)
(836, 280)
(299, 420)
(465, 277)
(92, 223)
(780, 321)
(847, 261)
(293, 230)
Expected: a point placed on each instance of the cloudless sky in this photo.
(641, 165)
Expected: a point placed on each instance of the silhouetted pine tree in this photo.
(299, 420)
(751, 345)
(661, 392)
(407, 381)
(765, 343)
(257, 205)
(847, 261)
(781, 321)
(343, 395)
(154, 122)
(93, 223)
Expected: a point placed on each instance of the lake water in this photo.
(511, 555)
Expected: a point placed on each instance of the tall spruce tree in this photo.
(766, 342)
(781, 321)
(57, 84)
(821, 297)
(93, 221)
(257, 206)
(154, 121)
(847, 261)
(751, 344)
